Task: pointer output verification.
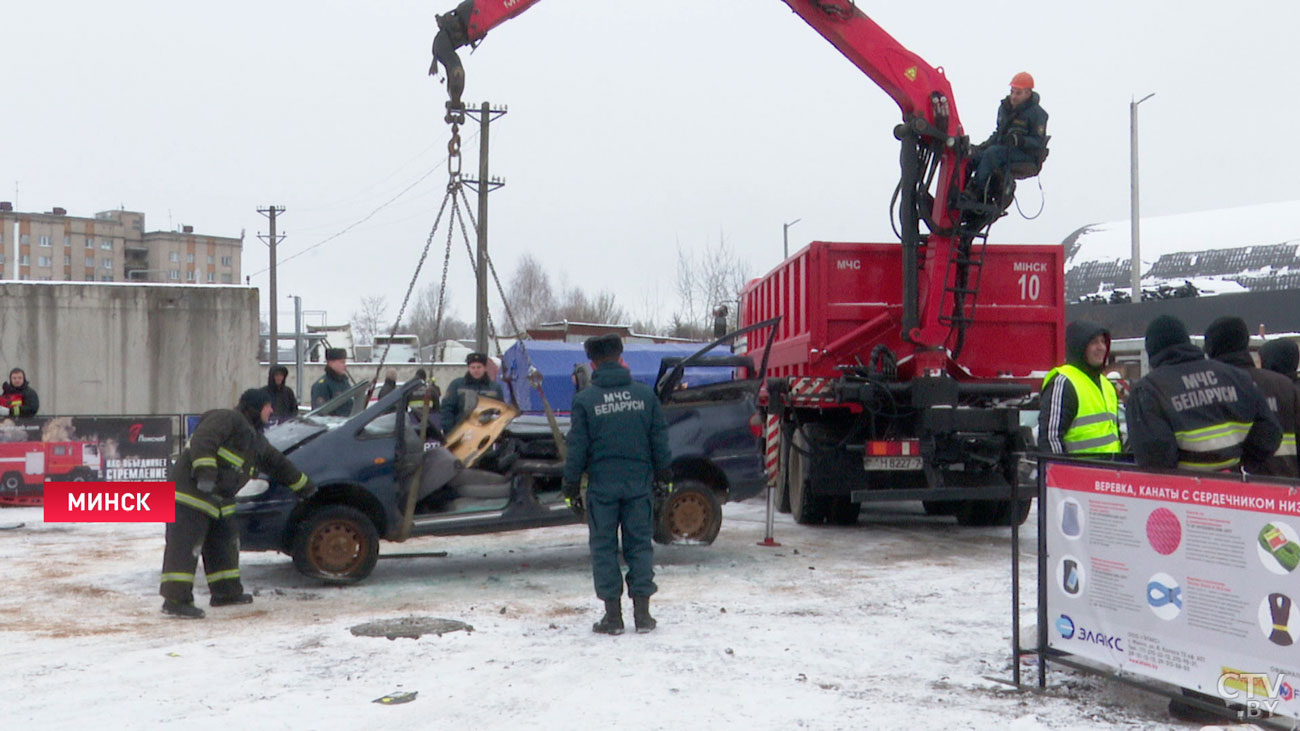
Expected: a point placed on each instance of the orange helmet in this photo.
(1022, 80)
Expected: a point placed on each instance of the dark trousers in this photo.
(612, 505)
(209, 531)
(992, 159)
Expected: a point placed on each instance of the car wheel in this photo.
(12, 481)
(807, 509)
(690, 514)
(336, 544)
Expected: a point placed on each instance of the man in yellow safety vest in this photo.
(1079, 411)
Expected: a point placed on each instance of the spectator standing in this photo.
(18, 398)
(284, 402)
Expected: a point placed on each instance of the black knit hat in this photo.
(1280, 356)
(1165, 331)
(335, 354)
(603, 347)
(254, 399)
(476, 358)
(1226, 335)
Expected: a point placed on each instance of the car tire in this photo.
(336, 544)
(11, 481)
(691, 513)
(807, 509)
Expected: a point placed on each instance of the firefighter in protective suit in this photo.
(225, 451)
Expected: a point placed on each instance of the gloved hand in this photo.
(306, 492)
(1014, 139)
(664, 476)
(206, 485)
(572, 490)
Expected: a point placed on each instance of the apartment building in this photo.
(111, 247)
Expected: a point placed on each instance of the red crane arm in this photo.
(935, 147)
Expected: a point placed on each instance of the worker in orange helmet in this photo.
(1021, 136)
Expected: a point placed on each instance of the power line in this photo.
(360, 221)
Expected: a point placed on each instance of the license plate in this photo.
(891, 463)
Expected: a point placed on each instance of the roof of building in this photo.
(1249, 248)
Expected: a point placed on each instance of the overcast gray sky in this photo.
(633, 127)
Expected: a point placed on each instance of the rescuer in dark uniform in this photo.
(1079, 412)
(226, 450)
(1281, 356)
(619, 439)
(476, 379)
(1021, 134)
(334, 383)
(1193, 413)
(1228, 340)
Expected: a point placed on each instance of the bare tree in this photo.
(576, 306)
(529, 296)
(424, 318)
(706, 279)
(369, 320)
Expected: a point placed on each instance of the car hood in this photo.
(289, 434)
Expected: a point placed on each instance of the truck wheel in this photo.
(11, 481)
(843, 511)
(690, 514)
(336, 544)
(807, 509)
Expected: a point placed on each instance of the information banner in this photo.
(1185, 579)
(79, 449)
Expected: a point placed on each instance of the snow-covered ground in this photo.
(899, 623)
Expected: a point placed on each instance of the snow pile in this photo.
(902, 622)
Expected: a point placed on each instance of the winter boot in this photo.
(612, 622)
(641, 614)
(183, 610)
(225, 601)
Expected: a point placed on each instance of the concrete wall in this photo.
(130, 349)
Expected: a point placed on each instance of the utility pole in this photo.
(271, 240)
(785, 237)
(1134, 220)
(484, 185)
(297, 340)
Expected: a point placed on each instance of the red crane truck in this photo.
(889, 384)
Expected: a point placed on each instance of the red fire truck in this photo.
(859, 417)
(24, 467)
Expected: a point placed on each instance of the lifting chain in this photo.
(453, 154)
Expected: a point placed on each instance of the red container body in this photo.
(838, 300)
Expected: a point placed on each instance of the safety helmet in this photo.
(1022, 80)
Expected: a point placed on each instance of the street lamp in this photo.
(1133, 199)
(785, 236)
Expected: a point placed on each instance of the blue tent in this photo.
(556, 359)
